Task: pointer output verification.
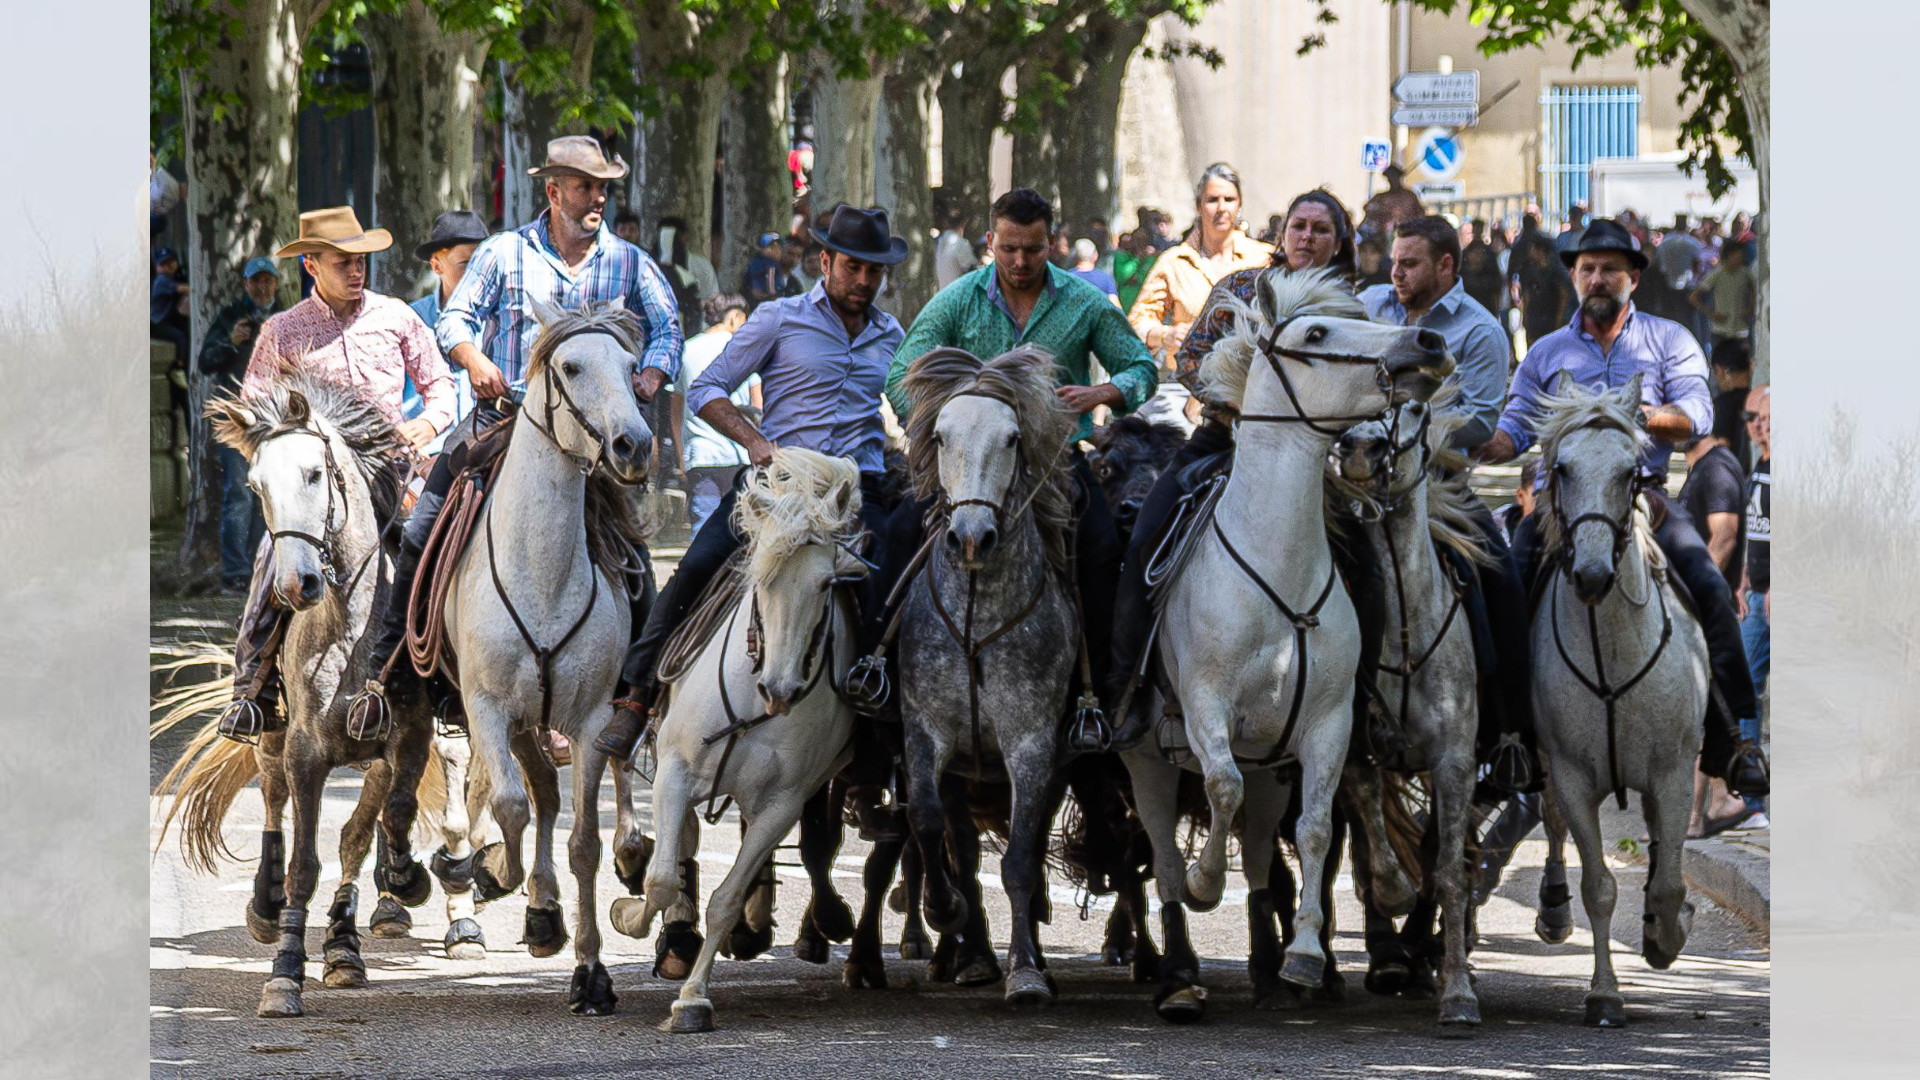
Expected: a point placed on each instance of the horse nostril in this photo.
(1431, 341)
(988, 539)
(953, 540)
(310, 586)
(623, 446)
(1130, 508)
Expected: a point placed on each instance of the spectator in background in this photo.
(670, 252)
(1675, 255)
(1373, 261)
(1132, 261)
(953, 253)
(1160, 229)
(166, 309)
(626, 226)
(800, 160)
(1102, 239)
(1708, 235)
(1060, 253)
(1271, 234)
(763, 278)
(1732, 378)
(1753, 597)
(710, 460)
(163, 195)
(1392, 206)
(1569, 238)
(1480, 267)
(1541, 286)
(1510, 515)
(1728, 295)
(1085, 256)
(223, 359)
(705, 279)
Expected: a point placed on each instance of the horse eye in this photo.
(313, 476)
(570, 368)
(1316, 334)
(1013, 438)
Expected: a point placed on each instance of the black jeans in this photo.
(1712, 600)
(1501, 602)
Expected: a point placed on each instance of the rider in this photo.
(348, 332)
(566, 258)
(822, 359)
(1022, 299)
(1606, 344)
(1427, 291)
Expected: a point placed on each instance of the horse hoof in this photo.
(389, 919)
(1115, 955)
(1146, 966)
(486, 887)
(832, 918)
(630, 869)
(897, 900)
(1657, 958)
(546, 931)
(679, 946)
(1421, 984)
(745, 943)
(262, 929)
(1458, 1017)
(1028, 990)
(1606, 1012)
(950, 921)
(1333, 988)
(1194, 901)
(411, 886)
(939, 970)
(1304, 971)
(979, 971)
(1185, 1005)
(1387, 978)
(690, 1017)
(464, 941)
(1553, 931)
(345, 975)
(592, 991)
(280, 999)
(625, 915)
(810, 946)
(864, 975)
(914, 946)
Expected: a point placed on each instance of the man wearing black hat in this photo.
(448, 249)
(1605, 346)
(822, 359)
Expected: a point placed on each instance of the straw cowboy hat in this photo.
(579, 155)
(336, 228)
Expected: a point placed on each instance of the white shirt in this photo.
(952, 257)
(705, 447)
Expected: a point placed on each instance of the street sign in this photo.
(1438, 153)
(1438, 88)
(1442, 191)
(1375, 154)
(1436, 115)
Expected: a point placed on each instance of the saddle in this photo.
(452, 531)
(703, 620)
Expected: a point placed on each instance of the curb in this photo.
(1737, 875)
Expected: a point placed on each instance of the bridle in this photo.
(558, 397)
(1384, 489)
(336, 491)
(1621, 525)
(1272, 350)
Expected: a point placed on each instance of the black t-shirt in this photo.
(1730, 424)
(1760, 525)
(1717, 485)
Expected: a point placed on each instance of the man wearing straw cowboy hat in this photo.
(347, 333)
(567, 258)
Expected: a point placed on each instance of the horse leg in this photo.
(864, 968)
(343, 968)
(693, 1011)
(546, 927)
(1418, 938)
(306, 773)
(975, 964)
(592, 991)
(1579, 807)
(270, 878)
(1554, 923)
(1181, 999)
(1145, 966)
(946, 909)
(1209, 724)
(1669, 915)
(1453, 809)
(913, 936)
(1333, 985)
(498, 869)
(665, 881)
(1022, 869)
(827, 917)
(1307, 955)
(753, 934)
(1265, 805)
(464, 940)
(632, 848)
(402, 882)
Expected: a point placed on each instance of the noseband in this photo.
(1272, 350)
(336, 487)
(557, 397)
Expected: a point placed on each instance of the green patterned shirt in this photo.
(1072, 320)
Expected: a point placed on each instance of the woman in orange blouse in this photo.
(1177, 287)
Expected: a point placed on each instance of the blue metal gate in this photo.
(1583, 123)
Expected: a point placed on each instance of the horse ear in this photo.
(618, 303)
(1563, 384)
(1632, 391)
(297, 408)
(231, 422)
(847, 565)
(544, 314)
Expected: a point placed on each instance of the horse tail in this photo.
(211, 771)
(431, 797)
(1400, 801)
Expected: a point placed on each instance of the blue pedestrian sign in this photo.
(1375, 155)
(1438, 153)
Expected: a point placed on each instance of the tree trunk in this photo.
(1743, 29)
(532, 118)
(844, 111)
(1088, 163)
(757, 192)
(907, 97)
(683, 137)
(971, 107)
(426, 93)
(1036, 152)
(240, 203)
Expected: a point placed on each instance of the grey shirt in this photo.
(1482, 355)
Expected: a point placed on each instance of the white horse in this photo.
(1257, 641)
(764, 725)
(1428, 679)
(1620, 676)
(539, 625)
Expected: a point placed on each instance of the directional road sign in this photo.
(1436, 115)
(1438, 153)
(1375, 154)
(1438, 88)
(1444, 191)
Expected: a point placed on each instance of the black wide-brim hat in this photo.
(450, 228)
(862, 234)
(1606, 234)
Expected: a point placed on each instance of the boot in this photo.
(621, 737)
(1724, 754)
(369, 716)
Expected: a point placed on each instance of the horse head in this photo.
(1128, 456)
(1590, 449)
(799, 514)
(580, 388)
(1387, 458)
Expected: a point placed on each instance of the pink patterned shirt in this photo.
(376, 349)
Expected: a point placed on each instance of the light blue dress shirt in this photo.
(1661, 350)
(1482, 355)
(822, 390)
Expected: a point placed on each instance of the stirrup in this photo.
(368, 717)
(1172, 725)
(1511, 768)
(1089, 733)
(867, 688)
(450, 718)
(243, 722)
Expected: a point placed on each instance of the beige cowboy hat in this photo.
(336, 228)
(579, 155)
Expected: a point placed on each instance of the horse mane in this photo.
(346, 408)
(803, 497)
(1279, 294)
(1572, 408)
(612, 318)
(1024, 381)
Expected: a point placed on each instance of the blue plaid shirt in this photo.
(511, 269)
